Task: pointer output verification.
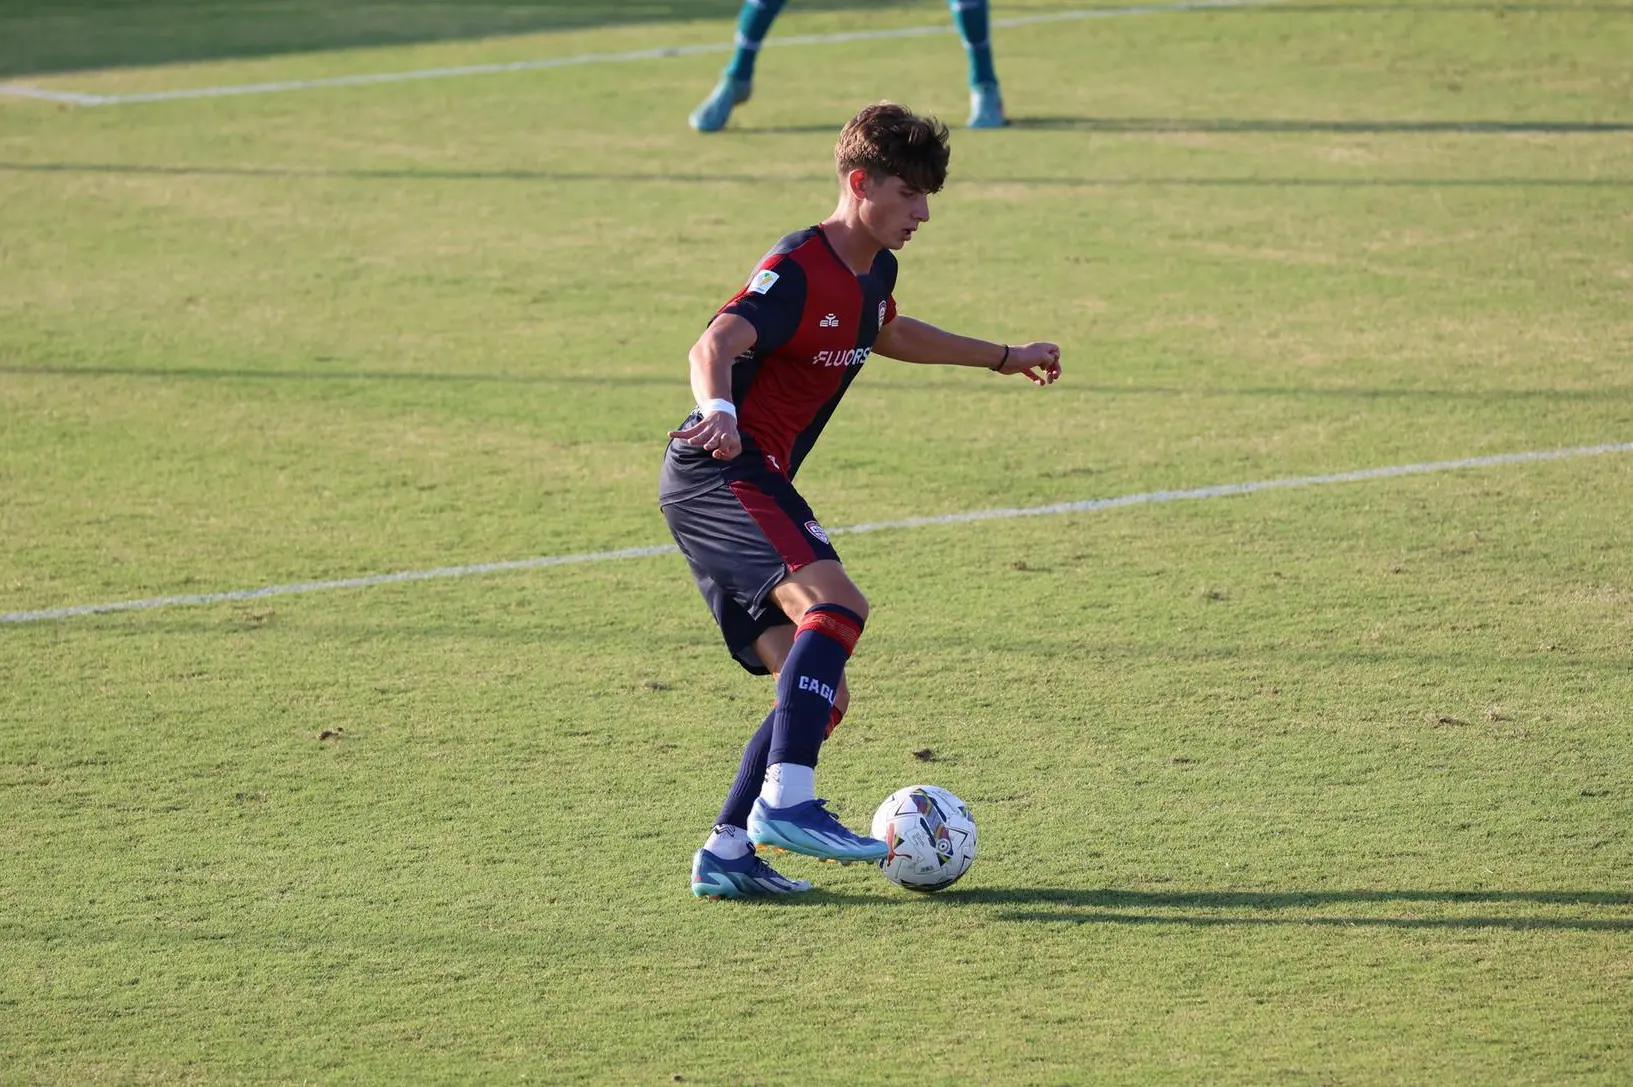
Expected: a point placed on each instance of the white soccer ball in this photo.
(930, 834)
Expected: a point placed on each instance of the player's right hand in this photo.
(716, 432)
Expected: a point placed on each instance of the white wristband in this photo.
(711, 406)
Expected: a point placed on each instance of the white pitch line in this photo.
(659, 53)
(1085, 506)
(17, 90)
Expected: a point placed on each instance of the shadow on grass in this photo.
(1111, 898)
(763, 180)
(1219, 908)
(1216, 908)
(1227, 124)
(1214, 920)
(1391, 7)
(600, 379)
(677, 379)
(80, 35)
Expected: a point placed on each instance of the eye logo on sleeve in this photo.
(763, 281)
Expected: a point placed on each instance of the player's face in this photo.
(892, 209)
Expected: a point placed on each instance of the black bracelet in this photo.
(1001, 361)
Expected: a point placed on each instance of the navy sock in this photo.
(809, 683)
(753, 23)
(750, 776)
(974, 28)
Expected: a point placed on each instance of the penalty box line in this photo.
(80, 98)
(1086, 506)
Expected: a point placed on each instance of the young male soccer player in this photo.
(754, 22)
(768, 373)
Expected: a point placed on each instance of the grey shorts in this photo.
(741, 539)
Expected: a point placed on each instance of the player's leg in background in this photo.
(829, 612)
(729, 839)
(731, 870)
(975, 27)
(753, 24)
(737, 82)
(727, 865)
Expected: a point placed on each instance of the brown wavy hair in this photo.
(888, 140)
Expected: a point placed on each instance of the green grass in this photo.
(77, 35)
(1322, 785)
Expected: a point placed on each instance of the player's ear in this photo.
(857, 183)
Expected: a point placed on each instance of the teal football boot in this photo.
(986, 106)
(711, 116)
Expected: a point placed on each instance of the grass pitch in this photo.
(1322, 785)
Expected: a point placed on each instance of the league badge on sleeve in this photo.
(762, 282)
(882, 314)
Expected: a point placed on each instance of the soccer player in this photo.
(767, 374)
(754, 22)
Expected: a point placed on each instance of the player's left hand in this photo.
(1040, 362)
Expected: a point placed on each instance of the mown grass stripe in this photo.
(1084, 506)
(657, 53)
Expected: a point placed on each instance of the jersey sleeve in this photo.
(773, 301)
(887, 275)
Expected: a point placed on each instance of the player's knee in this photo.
(816, 585)
(840, 619)
(847, 600)
(852, 600)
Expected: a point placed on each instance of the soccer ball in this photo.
(930, 834)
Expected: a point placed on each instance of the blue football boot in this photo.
(712, 114)
(746, 877)
(986, 106)
(810, 829)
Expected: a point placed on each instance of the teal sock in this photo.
(753, 23)
(974, 28)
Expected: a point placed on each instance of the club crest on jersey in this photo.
(830, 321)
(762, 281)
(816, 530)
(881, 315)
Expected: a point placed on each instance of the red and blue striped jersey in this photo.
(816, 322)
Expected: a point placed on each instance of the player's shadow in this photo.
(1221, 908)
(1205, 909)
(1160, 125)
